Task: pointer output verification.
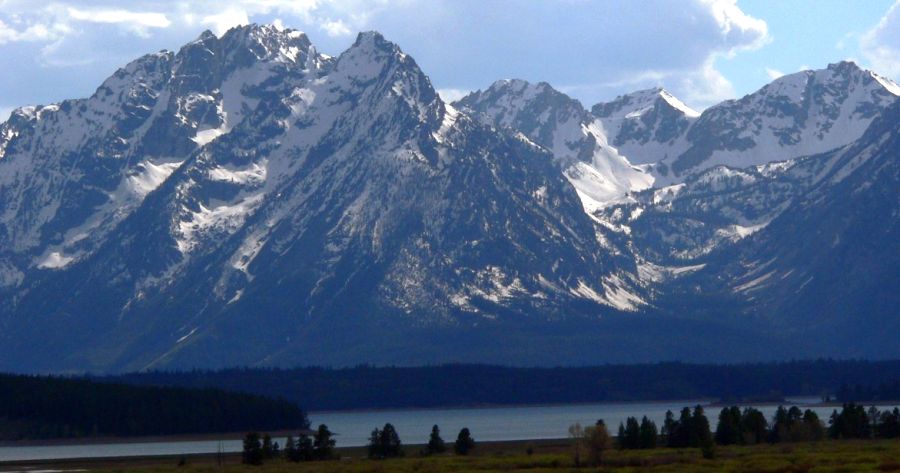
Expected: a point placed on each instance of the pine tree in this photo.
(252, 452)
(290, 449)
(649, 434)
(464, 442)
(268, 451)
(435, 442)
(620, 437)
(813, 425)
(728, 430)
(376, 452)
(754, 426)
(700, 428)
(889, 427)
(669, 427)
(305, 450)
(323, 444)
(390, 442)
(632, 434)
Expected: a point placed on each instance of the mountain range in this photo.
(249, 201)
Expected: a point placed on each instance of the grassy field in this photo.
(556, 456)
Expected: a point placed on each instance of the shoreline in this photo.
(86, 463)
(225, 436)
(686, 402)
(236, 436)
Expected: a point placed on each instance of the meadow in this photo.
(829, 456)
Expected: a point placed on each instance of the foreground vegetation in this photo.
(828, 456)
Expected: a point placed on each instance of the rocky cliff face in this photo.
(250, 201)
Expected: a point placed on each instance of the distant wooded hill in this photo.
(34, 407)
(467, 385)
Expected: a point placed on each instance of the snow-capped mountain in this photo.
(801, 114)
(71, 172)
(646, 126)
(823, 273)
(563, 127)
(250, 201)
(328, 193)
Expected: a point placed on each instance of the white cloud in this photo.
(739, 30)
(774, 73)
(223, 21)
(705, 86)
(452, 95)
(336, 28)
(680, 53)
(678, 46)
(35, 32)
(139, 19)
(881, 45)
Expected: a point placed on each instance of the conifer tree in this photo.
(252, 452)
(649, 434)
(323, 443)
(728, 430)
(435, 442)
(268, 451)
(290, 449)
(464, 442)
(305, 450)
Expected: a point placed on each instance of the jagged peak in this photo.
(793, 86)
(266, 42)
(845, 66)
(523, 91)
(373, 40)
(372, 51)
(635, 104)
(206, 35)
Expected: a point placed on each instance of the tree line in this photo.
(36, 407)
(690, 429)
(316, 447)
(364, 387)
(383, 443)
(749, 426)
(886, 391)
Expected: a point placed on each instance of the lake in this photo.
(414, 426)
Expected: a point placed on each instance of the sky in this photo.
(702, 51)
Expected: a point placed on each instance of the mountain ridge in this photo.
(248, 200)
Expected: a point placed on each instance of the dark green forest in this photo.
(473, 385)
(33, 407)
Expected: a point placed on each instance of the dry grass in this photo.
(822, 457)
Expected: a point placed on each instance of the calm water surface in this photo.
(414, 426)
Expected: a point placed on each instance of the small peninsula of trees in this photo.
(35, 407)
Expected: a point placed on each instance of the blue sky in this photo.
(703, 51)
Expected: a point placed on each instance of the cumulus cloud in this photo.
(881, 44)
(32, 32)
(591, 49)
(137, 21)
(336, 28)
(672, 44)
(225, 20)
(739, 30)
(773, 73)
(452, 95)
(705, 86)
